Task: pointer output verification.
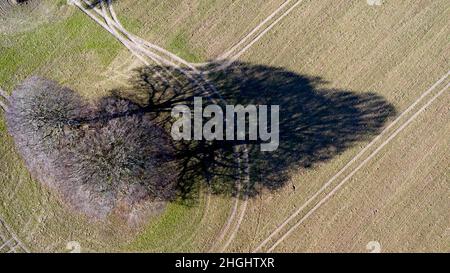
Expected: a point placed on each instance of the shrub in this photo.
(99, 158)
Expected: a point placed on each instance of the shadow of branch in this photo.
(316, 123)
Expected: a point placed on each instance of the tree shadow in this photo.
(316, 123)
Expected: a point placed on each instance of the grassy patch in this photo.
(179, 45)
(28, 53)
(131, 24)
(164, 229)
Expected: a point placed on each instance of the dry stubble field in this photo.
(397, 50)
(197, 31)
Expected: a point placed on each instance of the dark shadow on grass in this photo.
(116, 155)
(316, 123)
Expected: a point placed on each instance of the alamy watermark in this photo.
(228, 124)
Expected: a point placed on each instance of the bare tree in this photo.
(97, 156)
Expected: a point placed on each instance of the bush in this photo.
(100, 158)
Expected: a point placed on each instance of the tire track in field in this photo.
(244, 206)
(349, 164)
(231, 55)
(9, 242)
(238, 54)
(155, 57)
(235, 207)
(112, 24)
(134, 46)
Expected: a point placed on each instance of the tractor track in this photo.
(290, 224)
(109, 21)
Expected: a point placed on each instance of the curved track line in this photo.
(105, 26)
(227, 225)
(223, 56)
(110, 27)
(205, 213)
(143, 42)
(117, 23)
(244, 209)
(235, 207)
